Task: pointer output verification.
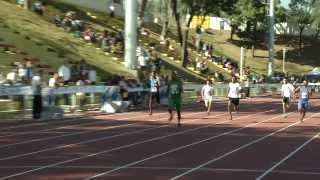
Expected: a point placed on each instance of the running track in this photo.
(258, 144)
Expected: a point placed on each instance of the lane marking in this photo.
(89, 131)
(171, 168)
(110, 150)
(68, 126)
(83, 132)
(180, 148)
(97, 139)
(287, 157)
(237, 149)
(67, 119)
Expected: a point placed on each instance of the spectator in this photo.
(53, 83)
(111, 10)
(2, 79)
(87, 35)
(12, 76)
(65, 73)
(142, 61)
(57, 20)
(29, 70)
(38, 7)
(37, 98)
(22, 72)
(198, 37)
(204, 67)
(82, 68)
(123, 88)
(92, 77)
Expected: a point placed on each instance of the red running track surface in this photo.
(258, 144)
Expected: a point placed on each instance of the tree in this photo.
(142, 10)
(192, 8)
(164, 13)
(316, 18)
(175, 4)
(300, 14)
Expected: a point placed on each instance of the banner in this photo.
(27, 90)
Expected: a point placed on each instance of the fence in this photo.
(16, 101)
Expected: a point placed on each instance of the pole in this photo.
(241, 62)
(130, 33)
(26, 4)
(271, 38)
(283, 60)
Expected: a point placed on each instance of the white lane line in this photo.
(287, 157)
(69, 126)
(180, 148)
(98, 139)
(170, 168)
(113, 149)
(83, 132)
(67, 119)
(91, 123)
(237, 149)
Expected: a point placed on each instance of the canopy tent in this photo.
(314, 72)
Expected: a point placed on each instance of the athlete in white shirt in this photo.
(304, 93)
(154, 90)
(287, 91)
(207, 95)
(233, 95)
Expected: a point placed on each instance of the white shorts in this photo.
(207, 100)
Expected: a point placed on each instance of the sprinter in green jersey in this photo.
(174, 91)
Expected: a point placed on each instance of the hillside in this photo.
(42, 40)
(294, 64)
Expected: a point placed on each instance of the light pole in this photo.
(241, 62)
(131, 33)
(283, 60)
(271, 38)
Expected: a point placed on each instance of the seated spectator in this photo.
(29, 67)
(87, 35)
(22, 72)
(12, 76)
(204, 67)
(198, 64)
(38, 7)
(65, 73)
(156, 64)
(92, 77)
(54, 80)
(123, 88)
(57, 20)
(82, 67)
(2, 79)
(142, 61)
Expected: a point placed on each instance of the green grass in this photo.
(45, 35)
(42, 35)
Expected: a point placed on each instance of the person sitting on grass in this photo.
(38, 7)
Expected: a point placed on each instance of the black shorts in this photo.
(155, 95)
(235, 101)
(286, 100)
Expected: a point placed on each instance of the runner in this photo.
(207, 95)
(233, 95)
(304, 93)
(287, 91)
(154, 90)
(175, 90)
